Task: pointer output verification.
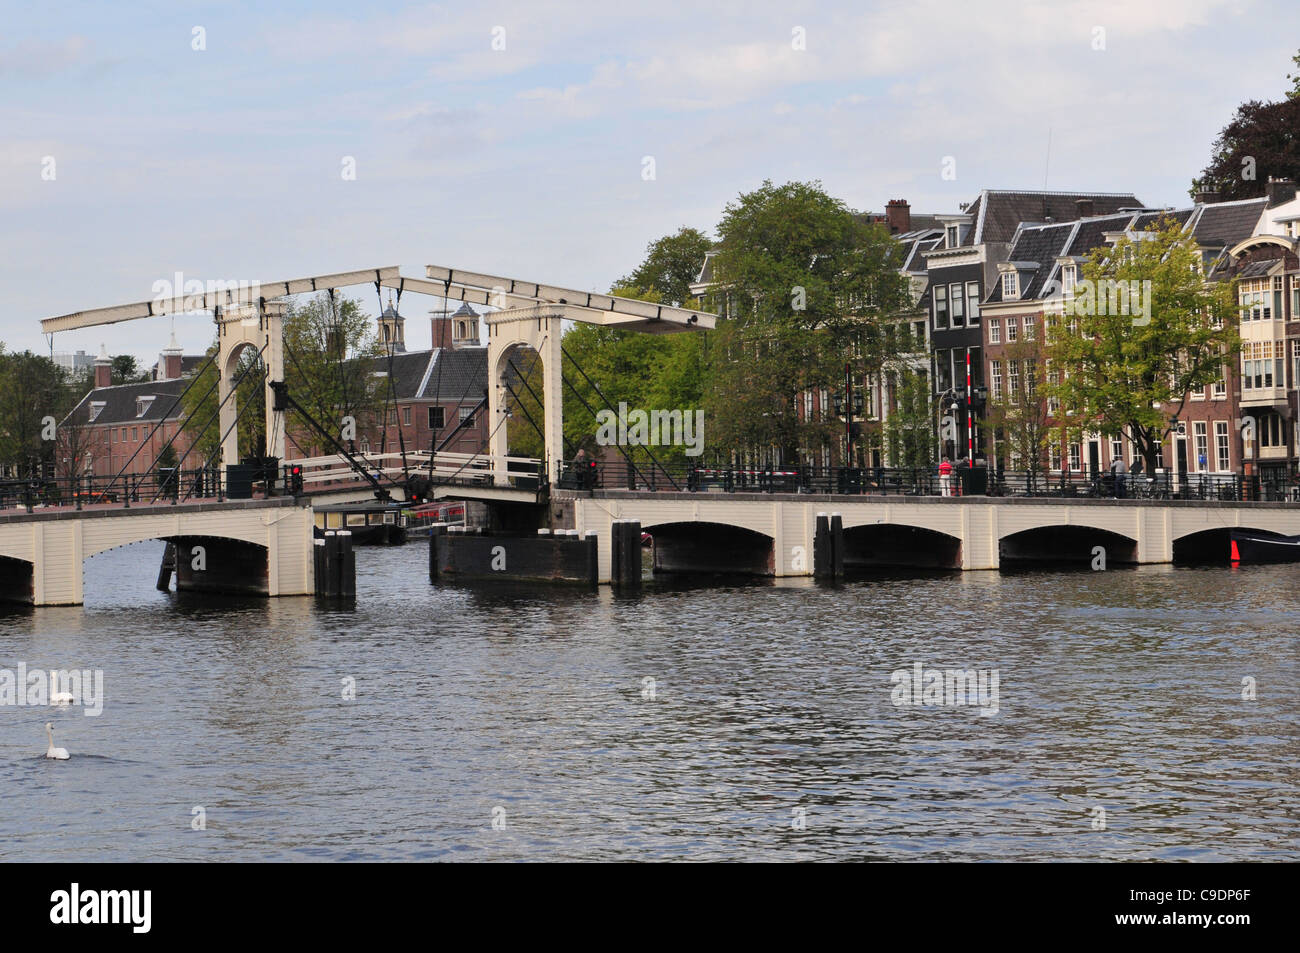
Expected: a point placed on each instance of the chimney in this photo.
(169, 362)
(1280, 191)
(1084, 206)
(103, 368)
(1206, 196)
(441, 323)
(898, 216)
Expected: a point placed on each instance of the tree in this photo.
(32, 388)
(1018, 420)
(1125, 370)
(909, 428)
(330, 349)
(330, 352)
(1261, 140)
(126, 370)
(645, 371)
(670, 266)
(810, 284)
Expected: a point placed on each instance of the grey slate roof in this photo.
(442, 374)
(997, 213)
(120, 403)
(1222, 224)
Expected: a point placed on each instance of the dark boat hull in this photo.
(1248, 547)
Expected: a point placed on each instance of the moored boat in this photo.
(1256, 546)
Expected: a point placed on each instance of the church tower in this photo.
(392, 329)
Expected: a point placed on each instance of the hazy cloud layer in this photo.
(225, 162)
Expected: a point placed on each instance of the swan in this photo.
(62, 698)
(58, 754)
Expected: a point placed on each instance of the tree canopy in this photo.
(1121, 372)
(1261, 140)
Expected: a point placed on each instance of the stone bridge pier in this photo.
(257, 547)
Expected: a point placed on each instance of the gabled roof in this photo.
(1223, 224)
(120, 403)
(442, 374)
(1044, 244)
(998, 212)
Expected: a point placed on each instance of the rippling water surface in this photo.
(771, 710)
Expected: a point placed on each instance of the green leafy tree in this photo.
(1127, 373)
(808, 286)
(32, 388)
(645, 371)
(126, 370)
(330, 349)
(671, 265)
(909, 428)
(1019, 422)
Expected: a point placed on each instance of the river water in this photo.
(727, 721)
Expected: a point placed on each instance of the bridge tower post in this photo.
(539, 328)
(261, 327)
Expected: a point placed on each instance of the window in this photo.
(1221, 446)
(1012, 324)
(995, 370)
(1076, 458)
(1220, 390)
(1029, 327)
(1116, 449)
(142, 405)
(973, 302)
(1198, 394)
(96, 408)
(135, 434)
(1009, 285)
(392, 416)
(951, 236)
(941, 307)
(958, 309)
(1069, 273)
(942, 371)
(1202, 445)
(436, 421)
(406, 416)
(1270, 431)
(995, 331)
(466, 415)
(807, 405)
(1013, 378)
(1054, 457)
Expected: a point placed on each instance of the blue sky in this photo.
(226, 162)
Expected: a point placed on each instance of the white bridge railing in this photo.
(461, 468)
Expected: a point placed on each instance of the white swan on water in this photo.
(58, 754)
(62, 698)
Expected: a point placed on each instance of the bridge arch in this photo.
(869, 546)
(700, 546)
(1072, 544)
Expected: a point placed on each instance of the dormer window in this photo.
(952, 236)
(142, 405)
(96, 408)
(1069, 274)
(1010, 285)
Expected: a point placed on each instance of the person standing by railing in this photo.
(1119, 470)
(945, 477)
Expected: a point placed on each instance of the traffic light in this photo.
(295, 479)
